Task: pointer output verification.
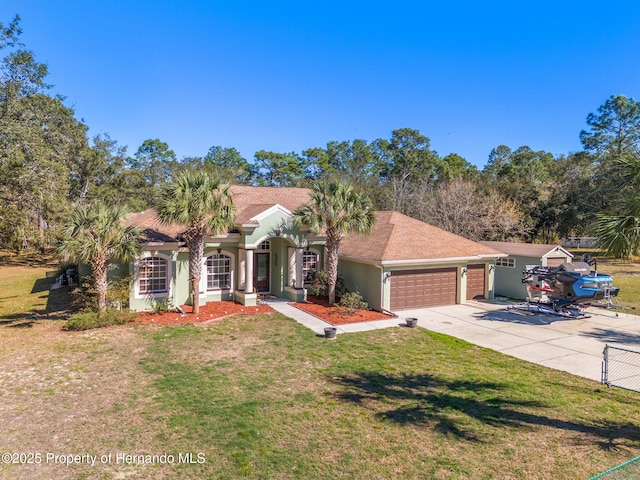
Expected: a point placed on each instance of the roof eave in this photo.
(419, 261)
(161, 245)
(493, 255)
(243, 227)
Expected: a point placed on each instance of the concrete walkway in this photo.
(571, 345)
(314, 323)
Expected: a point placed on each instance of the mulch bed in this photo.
(319, 307)
(208, 312)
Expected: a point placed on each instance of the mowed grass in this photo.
(263, 397)
(25, 294)
(626, 276)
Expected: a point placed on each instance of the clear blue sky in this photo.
(290, 75)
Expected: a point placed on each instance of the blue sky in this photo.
(285, 76)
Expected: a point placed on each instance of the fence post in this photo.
(605, 366)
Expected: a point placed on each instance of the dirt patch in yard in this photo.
(73, 393)
(319, 307)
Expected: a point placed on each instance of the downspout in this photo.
(382, 282)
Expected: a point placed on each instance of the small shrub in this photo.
(163, 305)
(319, 285)
(86, 321)
(119, 291)
(85, 298)
(353, 301)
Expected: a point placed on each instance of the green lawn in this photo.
(25, 293)
(263, 397)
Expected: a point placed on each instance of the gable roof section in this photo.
(399, 239)
(535, 250)
(249, 202)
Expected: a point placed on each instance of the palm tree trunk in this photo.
(196, 252)
(100, 270)
(332, 245)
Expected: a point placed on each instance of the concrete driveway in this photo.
(572, 345)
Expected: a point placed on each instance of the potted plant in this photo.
(330, 333)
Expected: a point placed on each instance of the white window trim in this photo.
(510, 262)
(318, 264)
(136, 287)
(203, 275)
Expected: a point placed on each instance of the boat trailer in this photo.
(566, 290)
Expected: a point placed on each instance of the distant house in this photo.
(580, 242)
(508, 276)
(403, 264)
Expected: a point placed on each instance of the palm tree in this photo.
(97, 235)
(335, 209)
(619, 234)
(197, 200)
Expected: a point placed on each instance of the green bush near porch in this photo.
(87, 321)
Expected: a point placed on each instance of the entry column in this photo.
(248, 278)
(299, 261)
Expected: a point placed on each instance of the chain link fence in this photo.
(621, 368)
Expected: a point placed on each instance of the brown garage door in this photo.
(423, 288)
(475, 281)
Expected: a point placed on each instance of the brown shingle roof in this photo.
(250, 201)
(152, 228)
(536, 250)
(398, 238)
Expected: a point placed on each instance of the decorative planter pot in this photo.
(412, 322)
(330, 333)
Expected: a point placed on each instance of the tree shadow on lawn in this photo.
(58, 307)
(450, 407)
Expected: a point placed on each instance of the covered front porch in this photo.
(276, 266)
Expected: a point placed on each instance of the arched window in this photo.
(309, 262)
(218, 272)
(153, 275)
(266, 245)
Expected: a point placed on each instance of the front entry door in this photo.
(261, 272)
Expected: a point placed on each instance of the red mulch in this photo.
(320, 307)
(208, 312)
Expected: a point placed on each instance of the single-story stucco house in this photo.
(508, 277)
(403, 264)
